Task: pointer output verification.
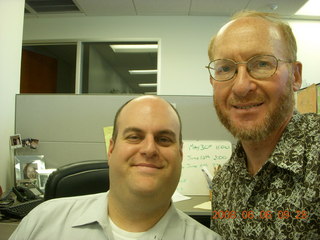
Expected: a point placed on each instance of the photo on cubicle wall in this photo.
(15, 141)
(26, 167)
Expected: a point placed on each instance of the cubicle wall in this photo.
(70, 127)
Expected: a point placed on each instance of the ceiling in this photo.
(122, 63)
(285, 8)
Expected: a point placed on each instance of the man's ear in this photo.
(110, 148)
(297, 74)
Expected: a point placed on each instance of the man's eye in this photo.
(164, 141)
(222, 69)
(133, 137)
(262, 65)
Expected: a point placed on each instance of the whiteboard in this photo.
(198, 154)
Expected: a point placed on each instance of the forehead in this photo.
(246, 37)
(149, 114)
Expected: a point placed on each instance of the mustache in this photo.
(241, 100)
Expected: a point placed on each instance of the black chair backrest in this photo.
(79, 178)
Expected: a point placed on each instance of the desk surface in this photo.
(187, 206)
(6, 229)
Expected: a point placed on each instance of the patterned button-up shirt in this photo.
(282, 201)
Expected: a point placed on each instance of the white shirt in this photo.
(120, 234)
(86, 217)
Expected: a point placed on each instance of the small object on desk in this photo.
(208, 176)
(177, 197)
(205, 205)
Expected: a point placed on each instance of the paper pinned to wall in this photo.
(307, 99)
(107, 135)
(198, 154)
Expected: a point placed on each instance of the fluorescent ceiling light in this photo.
(147, 84)
(134, 72)
(310, 8)
(134, 48)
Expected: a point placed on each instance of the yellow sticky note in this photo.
(107, 135)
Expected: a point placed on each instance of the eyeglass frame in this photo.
(246, 62)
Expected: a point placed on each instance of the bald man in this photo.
(144, 156)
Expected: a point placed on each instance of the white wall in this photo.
(11, 24)
(183, 50)
(308, 39)
(183, 39)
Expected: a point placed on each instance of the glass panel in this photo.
(48, 68)
(107, 69)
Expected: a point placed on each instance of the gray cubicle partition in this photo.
(70, 127)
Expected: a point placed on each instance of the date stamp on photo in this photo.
(259, 214)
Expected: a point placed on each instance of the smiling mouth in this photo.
(147, 165)
(248, 106)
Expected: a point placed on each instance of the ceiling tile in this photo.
(106, 7)
(283, 7)
(162, 7)
(217, 7)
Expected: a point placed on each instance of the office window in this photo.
(106, 68)
(116, 67)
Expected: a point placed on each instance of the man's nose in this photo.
(149, 147)
(243, 84)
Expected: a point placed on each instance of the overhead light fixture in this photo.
(147, 84)
(135, 72)
(310, 8)
(134, 48)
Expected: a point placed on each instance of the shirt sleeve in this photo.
(23, 230)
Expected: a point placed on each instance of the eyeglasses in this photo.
(259, 67)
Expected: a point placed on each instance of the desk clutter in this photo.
(20, 210)
(19, 201)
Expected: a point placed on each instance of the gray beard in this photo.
(272, 121)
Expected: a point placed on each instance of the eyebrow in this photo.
(138, 130)
(131, 129)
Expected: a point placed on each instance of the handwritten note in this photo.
(198, 154)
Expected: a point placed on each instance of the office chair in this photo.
(81, 178)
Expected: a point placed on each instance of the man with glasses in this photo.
(270, 187)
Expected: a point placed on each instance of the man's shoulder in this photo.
(306, 121)
(62, 206)
(55, 218)
(75, 199)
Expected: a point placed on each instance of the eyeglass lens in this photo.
(259, 67)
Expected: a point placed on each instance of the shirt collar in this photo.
(288, 153)
(94, 212)
(158, 230)
(237, 163)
